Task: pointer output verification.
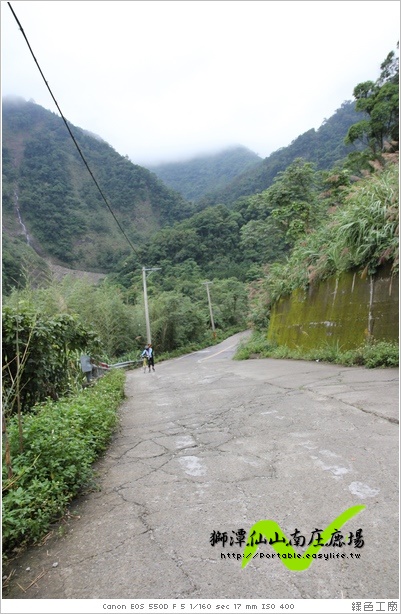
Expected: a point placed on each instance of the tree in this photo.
(38, 355)
(230, 303)
(176, 321)
(261, 241)
(379, 101)
(293, 199)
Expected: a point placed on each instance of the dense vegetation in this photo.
(62, 209)
(324, 148)
(359, 233)
(235, 242)
(66, 216)
(369, 355)
(108, 320)
(379, 101)
(196, 177)
(49, 459)
(38, 348)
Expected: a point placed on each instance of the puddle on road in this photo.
(192, 465)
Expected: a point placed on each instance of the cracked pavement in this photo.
(210, 444)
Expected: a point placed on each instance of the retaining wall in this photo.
(343, 311)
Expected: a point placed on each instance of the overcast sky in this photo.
(166, 80)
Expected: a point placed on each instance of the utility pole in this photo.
(207, 283)
(145, 296)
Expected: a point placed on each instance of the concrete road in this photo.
(206, 446)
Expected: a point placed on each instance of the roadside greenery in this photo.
(60, 443)
(361, 233)
(39, 356)
(371, 355)
(379, 102)
(114, 313)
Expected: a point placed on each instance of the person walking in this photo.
(145, 357)
(151, 358)
(87, 367)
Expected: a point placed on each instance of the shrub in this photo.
(361, 233)
(382, 354)
(38, 354)
(256, 345)
(371, 355)
(61, 440)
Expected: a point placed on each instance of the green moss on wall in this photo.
(343, 311)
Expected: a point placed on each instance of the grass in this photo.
(370, 355)
(61, 441)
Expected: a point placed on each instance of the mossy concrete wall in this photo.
(343, 311)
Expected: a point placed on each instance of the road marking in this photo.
(217, 353)
(191, 354)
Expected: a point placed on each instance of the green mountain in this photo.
(52, 207)
(196, 177)
(51, 202)
(324, 147)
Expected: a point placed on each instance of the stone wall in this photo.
(343, 311)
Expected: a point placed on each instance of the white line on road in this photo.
(217, 353)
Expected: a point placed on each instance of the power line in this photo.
(71, 134)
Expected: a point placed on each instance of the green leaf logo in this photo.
(271, 530)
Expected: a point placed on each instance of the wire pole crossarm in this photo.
(71, 134)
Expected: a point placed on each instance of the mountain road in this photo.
(206, 447)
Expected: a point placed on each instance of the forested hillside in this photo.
(48, 190)
(323, 147)
(196, 177)
(246, 239)
(308, 224)
(51, 202)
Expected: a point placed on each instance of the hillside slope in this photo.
(51, 199)
(196, 177)
(324, 147)
(51, 203)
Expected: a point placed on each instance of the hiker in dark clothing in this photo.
(151, 359)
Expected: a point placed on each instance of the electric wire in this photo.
(71, 134)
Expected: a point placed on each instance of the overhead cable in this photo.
(71, 134)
